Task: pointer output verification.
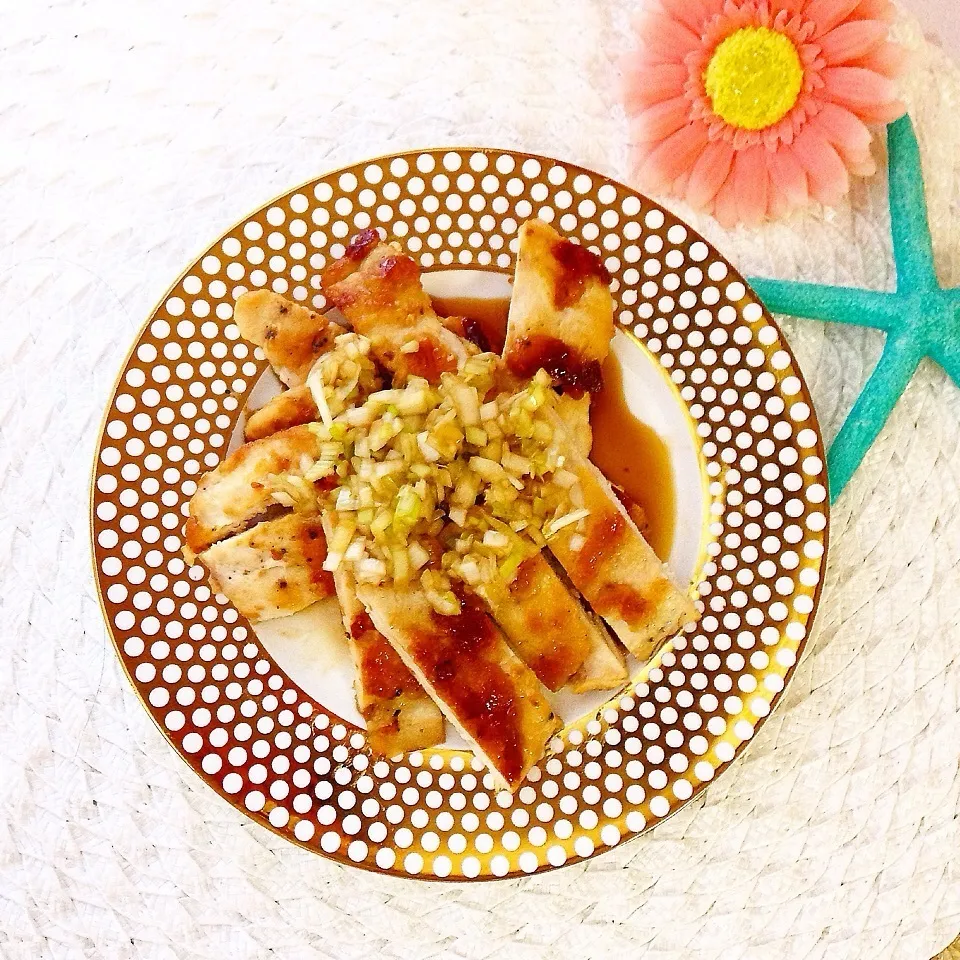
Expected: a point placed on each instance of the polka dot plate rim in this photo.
(279, 756)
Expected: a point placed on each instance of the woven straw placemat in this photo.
(135, 133)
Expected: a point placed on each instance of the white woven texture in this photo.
(132, 134)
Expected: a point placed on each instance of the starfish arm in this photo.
(912, 246)
(865, 308)
(897, 364)
(947, 354)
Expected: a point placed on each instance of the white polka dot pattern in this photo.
(272, 751)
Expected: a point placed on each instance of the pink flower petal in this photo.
(790, 7)
(826, 173)
(691, 13)
(661, 120)
(732, 19)
(890, 60)
(827, 14)
(875, 10)
(679, 186)
(852, 40)
(647, 84)
(751, 182)
(863, 168)
(847, 133)
(883, 112)
(668, 159)
(709, 174)
(867, 94)
(725, 205)
(665, 40)
(789, 188)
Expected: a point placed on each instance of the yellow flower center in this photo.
(754, 78)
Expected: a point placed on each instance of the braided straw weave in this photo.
(135, 133)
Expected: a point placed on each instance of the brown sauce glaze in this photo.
(604, 531)
(577, 266)
(571, 372)
(484, 319)
(634, 457)
(628, 603)
(313, 545)
(359, 246)
(429, 361)
(398, 267)
(383, 674)
(360, 624)
(481, 695)
(524, 580)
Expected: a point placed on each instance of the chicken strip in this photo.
(465, 664)
(551, 632)
(399, 714)
(291, 335)
(575, 414)
(288, 409)
(272, 570)
(615, 569)
(235, 495)
(376, 286)
(561, 310)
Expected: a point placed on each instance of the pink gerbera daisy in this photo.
(749, 108)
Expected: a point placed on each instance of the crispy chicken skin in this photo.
(288, 409)
(291, 335)
(234, 495)
(272, 570)
(465, 664)
(376, 286)
(561, 310)
(399, 714)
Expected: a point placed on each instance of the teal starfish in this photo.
(920, 318)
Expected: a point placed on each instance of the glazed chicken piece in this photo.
(236, 494)
(288, 409)
(399, 714)
(561, 310)
(376, 286)
(561, 319)
(272, 570)
(276, 568)
(546, 626)
(291, 335)
(464, 662)
(551, 632)
(615, 569)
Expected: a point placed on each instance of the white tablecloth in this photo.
(132, 134)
